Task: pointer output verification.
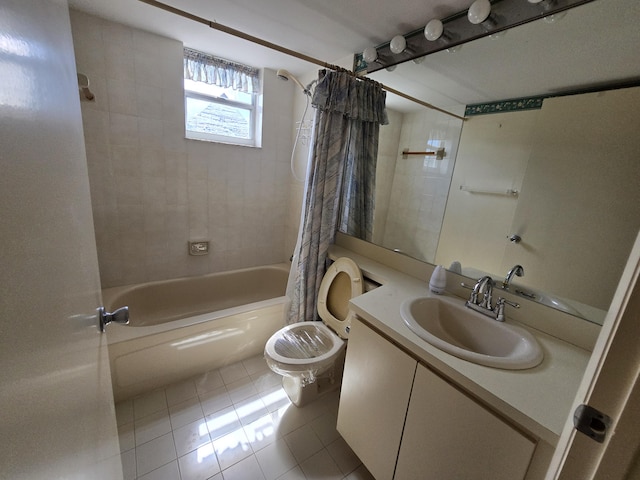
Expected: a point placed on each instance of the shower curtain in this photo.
(340, 182)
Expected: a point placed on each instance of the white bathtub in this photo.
(182, 327)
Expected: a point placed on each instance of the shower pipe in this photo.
(293, 53)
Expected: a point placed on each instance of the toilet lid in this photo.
(341, 283)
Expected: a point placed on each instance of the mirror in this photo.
(574, 202)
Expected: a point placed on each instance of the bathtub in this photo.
(182, 327)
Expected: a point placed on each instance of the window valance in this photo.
(202, 67)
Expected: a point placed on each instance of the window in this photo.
(222, 100)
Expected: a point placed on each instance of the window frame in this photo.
(252, 141)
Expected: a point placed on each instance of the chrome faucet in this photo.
(484, 287)
(516, 270)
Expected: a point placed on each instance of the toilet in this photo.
(310, 355)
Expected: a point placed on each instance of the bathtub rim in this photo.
(119, 333)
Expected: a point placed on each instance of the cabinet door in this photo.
(448, 436)
(373, 402)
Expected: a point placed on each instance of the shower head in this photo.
(285, 75)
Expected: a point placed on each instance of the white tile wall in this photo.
(420, 184)
(152, 190)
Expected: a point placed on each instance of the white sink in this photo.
(447, 324)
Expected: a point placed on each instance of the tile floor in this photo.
(235, 423)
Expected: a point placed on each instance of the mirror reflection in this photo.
(554, 190)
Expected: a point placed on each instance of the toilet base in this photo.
(302, 392)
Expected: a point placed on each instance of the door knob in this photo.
(121, 315)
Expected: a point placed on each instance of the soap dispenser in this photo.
(438, 280)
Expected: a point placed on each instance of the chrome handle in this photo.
(473, 298)
(500, 308)
(121, 315)
(504, 300)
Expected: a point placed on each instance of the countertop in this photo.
(539, 399)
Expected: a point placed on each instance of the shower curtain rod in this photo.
(237, 33)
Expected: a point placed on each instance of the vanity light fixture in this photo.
(492, 16)
(479, 12)
(433, 30)
(370, 54)
(398, 44)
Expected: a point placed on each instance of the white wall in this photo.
(579, 212)
(493, 154)
(153, 190)
(57, 418)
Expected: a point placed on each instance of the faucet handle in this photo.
(473, 297)
(500, 308)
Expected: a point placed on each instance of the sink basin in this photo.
(450, 326)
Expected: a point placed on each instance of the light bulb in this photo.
(479, 11)
(370, 54)
(434, 29)
(398, 44)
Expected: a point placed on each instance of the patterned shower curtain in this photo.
(340, 182)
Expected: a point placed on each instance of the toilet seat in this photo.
(302, 347)
(333, 295)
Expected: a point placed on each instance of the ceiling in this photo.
(593, 44)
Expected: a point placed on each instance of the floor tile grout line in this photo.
(253, 377)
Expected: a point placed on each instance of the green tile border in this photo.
(514, 105)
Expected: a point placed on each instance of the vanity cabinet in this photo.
(405, 422)
(448, 435)
(376, 386)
